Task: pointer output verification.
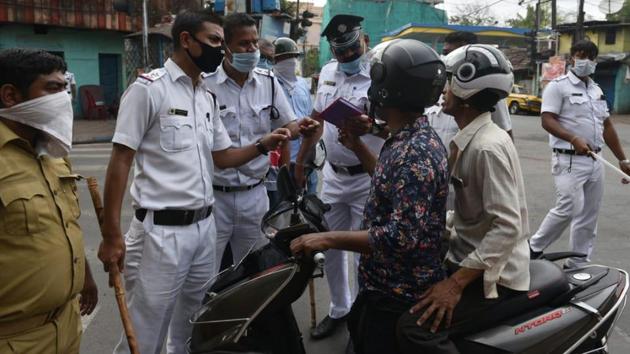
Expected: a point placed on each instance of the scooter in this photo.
(248, 309)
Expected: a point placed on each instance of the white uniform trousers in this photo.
(579, 184)
(167, 269)
(342, 216)
(239, 216)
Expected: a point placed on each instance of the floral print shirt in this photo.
(405, 214)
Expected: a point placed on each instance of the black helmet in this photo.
(285, 46)
(406, 74)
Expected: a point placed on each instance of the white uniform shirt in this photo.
(246, 115)
(501, 115)
(581, 109)
(174, 128)
(446, 127)
(333, 83)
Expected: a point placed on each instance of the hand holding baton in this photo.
(114, 272)
(611, 166)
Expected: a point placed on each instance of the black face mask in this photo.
(210, 57)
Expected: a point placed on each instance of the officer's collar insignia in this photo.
(342, 28)
(330, 83)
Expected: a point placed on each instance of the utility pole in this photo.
(145, 36)
(579, 26)
(553, 15)
(535, 48)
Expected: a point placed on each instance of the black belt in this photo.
(348, 170)
(170, 217)
(572, 152)
(237, 188)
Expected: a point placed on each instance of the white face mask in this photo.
(583, 67)
(52, 115)
(286, 69)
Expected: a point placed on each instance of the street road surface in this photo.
(103, 328)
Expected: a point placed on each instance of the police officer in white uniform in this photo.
(346, 184)
(252, 104)
(576, 116)
(169, 125)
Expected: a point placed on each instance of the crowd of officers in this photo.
(201, 134)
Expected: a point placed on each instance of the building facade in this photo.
(89, 35)
(613, 62)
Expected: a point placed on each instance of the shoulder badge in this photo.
(152, 76)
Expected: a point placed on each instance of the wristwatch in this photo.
(376, 128)
(261, 148)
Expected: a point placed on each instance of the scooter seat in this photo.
(547, 282)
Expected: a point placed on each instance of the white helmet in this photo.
(478, 67)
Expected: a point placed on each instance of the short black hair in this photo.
(587, 47)
(235, 21)
(484, 101)
(20, 67)
(461, 37)
(191, 21)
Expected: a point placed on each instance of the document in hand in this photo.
(338, 111)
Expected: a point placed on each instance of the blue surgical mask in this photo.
(583, 67)
(265, 63)
(352, 67)
(245, 62)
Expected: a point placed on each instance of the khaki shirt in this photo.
(490, 208)
(42, 260)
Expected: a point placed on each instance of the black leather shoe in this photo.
(326, 327)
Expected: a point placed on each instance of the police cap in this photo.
(342, 29)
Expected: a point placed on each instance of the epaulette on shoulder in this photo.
(561, 77)
(152, 76)
(262, 71)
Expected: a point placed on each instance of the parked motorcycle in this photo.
(248, 308)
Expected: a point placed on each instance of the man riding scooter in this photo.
(488, 259)
(405, 212)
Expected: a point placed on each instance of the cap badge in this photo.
(342, 28)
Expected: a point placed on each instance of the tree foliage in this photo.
(311, 62)
(622, 15)
(529, 20)
(288, 7)
(473, 15)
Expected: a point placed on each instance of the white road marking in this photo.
(622, 334)
(85, 320)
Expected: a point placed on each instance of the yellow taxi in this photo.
(520, 101)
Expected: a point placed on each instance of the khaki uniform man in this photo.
(41, 245)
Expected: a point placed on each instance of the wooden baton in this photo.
(114, 272)
(311, 295)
